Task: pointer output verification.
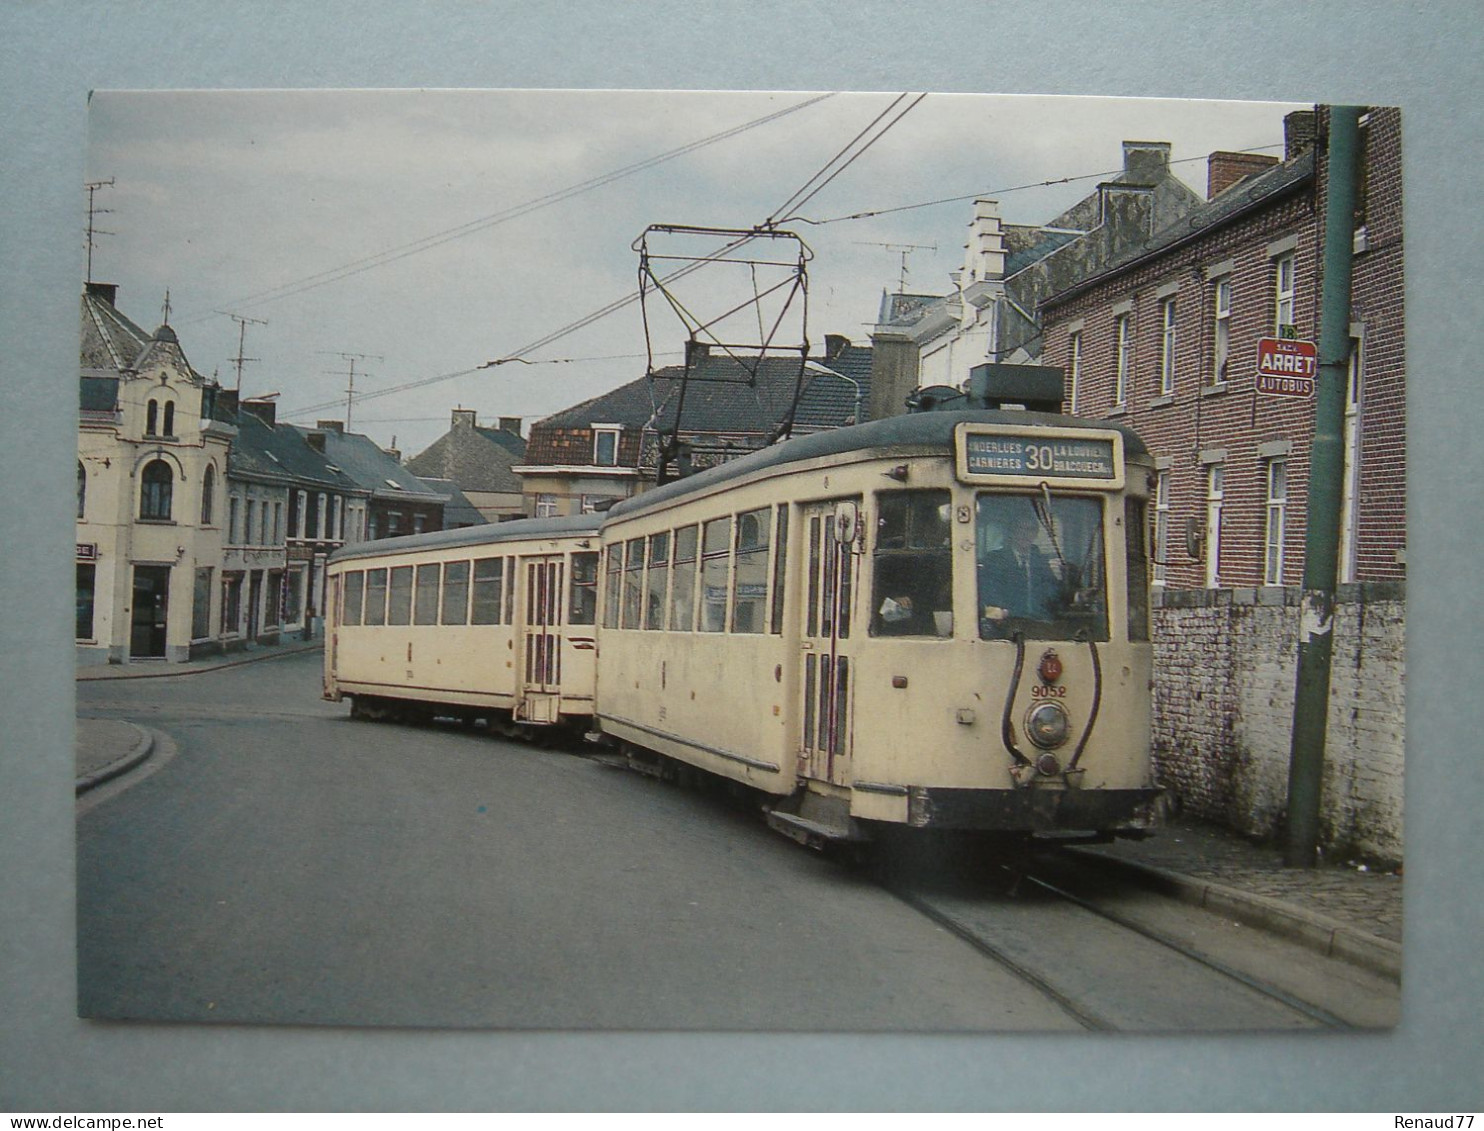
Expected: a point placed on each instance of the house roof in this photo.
(457, 509)
(279, 454)
(109, 341)
(365, 465)
(829, 402)
(1246, 196)
(476, 459)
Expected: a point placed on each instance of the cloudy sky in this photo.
(434, 231)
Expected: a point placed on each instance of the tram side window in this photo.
(455, 592)
(683, 586)
(399, 602)
(425, 605)
(912, 565)
(780, 556)
(613, 587)
(716, 550)
(633, 582)
(509, 588)
(750, 579)
(488, 590)
(655, 580)
(582, 602)
(355, 594)
(376, 596)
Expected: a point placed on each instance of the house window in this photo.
(170, 418)
(1350, 484)
(1284, 285)
(1121, 360)
(418, 522)
(1221, 339)
(1277, 512)
(299, 520)
(277, 523)
(339, 525)
(152, 419)
(321, 515)
(1167, 347)
(82, 489)
(86, 578)
(1161, 524)
(1215, 493)
(208, 493)
(201, 604)
(252, 516)
(231, 603)
(156, 484)
(1075, 368)
(546, 506)
(605, 446)
(233, 504)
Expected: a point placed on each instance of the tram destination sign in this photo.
(1286, 368)
(1035, 454)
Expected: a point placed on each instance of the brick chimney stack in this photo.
(1224, 169)
(463, 418)
(1299, 129)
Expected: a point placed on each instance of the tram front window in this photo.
(1040, 568)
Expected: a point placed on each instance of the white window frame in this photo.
(1167, 315)
(234, 514)
(1221, 334)
(338, 525)
(1075, 367)
(600, 431)
(1161, 537)
(1275, 526)
(1215, 497)
(302, 515)
(1121, 343)
(1284, 290)
(546, 506)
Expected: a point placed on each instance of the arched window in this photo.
(154, 495)
(170, 418)
(208, 491)
(152, 418)
(82, 489)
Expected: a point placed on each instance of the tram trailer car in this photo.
(494, 622)
(937, 620)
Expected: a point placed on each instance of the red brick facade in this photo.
(1203, 420)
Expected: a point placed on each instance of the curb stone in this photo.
(142, 746)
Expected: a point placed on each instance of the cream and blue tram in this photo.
(937, 620)
(494, 622)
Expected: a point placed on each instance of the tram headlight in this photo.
(1047, 725)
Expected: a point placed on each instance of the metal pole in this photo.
(1326, 470)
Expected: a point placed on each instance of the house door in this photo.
(151, 610)
(541, 640)
(829, 592)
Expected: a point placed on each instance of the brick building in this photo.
(1165, 339)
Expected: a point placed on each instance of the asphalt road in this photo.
(277, 862)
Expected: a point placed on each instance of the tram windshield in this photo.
(1040, 567)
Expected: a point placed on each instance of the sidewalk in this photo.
(159, 669)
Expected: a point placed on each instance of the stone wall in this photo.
(1226, 661)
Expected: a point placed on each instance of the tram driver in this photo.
(1014, 577)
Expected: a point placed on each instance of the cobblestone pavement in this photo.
(1368, 901)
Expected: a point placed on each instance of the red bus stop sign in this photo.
(1286, 368)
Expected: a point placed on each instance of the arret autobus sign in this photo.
(1286, 368)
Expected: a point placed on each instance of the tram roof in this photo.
(914, 430)
(487, 534)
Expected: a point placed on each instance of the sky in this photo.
(418, 234)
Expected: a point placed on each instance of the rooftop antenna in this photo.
(165, 309)
(350, 387)
(904, 250)
(242, 321)
(93, 211)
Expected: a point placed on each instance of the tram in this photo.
(933, 621)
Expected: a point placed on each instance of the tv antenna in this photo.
(94, 211)
(350, 386)
(242, 320)
(904, 250)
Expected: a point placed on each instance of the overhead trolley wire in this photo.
(426, 243)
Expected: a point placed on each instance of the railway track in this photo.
(1117, 959)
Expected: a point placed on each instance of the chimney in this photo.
(266, 411)
(696, 353)
(835, 345)
(984, 258)
(462, 418)
(336, 426)
(316, 440)
(1225, 169)
(510, 424)
(1298, 133)
(1146, 162)
(395, 453)
(105, 291)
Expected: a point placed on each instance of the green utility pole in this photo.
(1326, 469)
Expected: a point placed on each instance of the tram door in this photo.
(541, 640)
(828, 683)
